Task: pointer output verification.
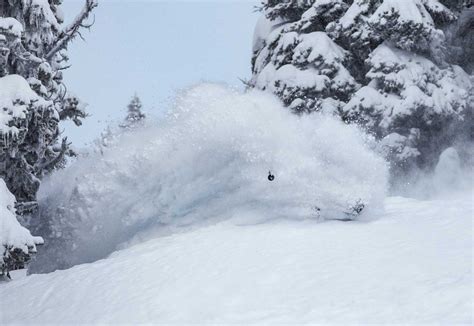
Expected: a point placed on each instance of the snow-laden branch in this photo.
(53, 162)
(71, 31)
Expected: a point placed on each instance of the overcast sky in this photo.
(154, 48)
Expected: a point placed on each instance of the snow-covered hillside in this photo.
(177, 222)
(412, 265)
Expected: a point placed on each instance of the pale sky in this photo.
(154, 48)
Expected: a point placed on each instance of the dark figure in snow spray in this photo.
(271, 177)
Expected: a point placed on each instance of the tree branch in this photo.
(52, 163)
(71, 31)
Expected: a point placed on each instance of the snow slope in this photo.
(413, 265)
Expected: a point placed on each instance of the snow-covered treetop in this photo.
(294, 57)
(134, 112)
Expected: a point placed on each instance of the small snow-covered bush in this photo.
(17, 243)
(208, 161)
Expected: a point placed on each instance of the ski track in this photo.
(413, 265)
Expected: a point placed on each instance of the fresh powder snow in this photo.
(411, 265)
(208, 161)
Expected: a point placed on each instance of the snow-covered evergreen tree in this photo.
(410, 103)
(412, 95)
(296, 59)
(134, 113)
(382, 63)
(33, 98)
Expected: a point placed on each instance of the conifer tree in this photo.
(297, 60)
(33, 54)
(134, 113)
(384, 64)
(33, 101)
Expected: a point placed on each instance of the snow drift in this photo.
(207, 161)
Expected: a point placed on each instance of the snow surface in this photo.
(317, 46)
(357, 8)
(291, 76)
(412, 265)
(9, 25)
(413, 11)
(208, 161)
(318, 9)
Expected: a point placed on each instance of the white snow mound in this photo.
(209, 161)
